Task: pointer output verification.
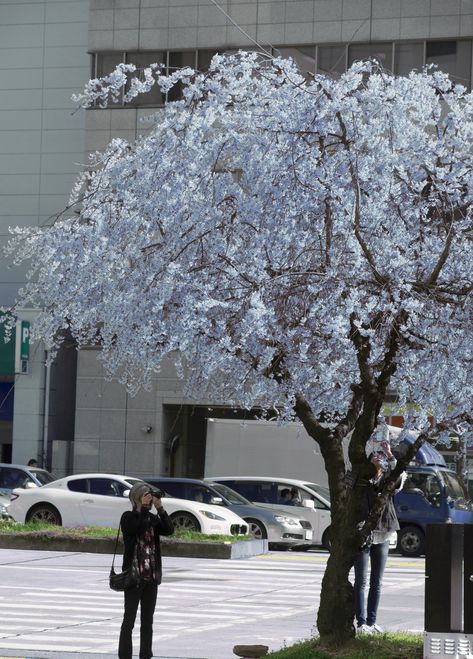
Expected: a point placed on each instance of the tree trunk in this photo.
(335, 619)
(337, 611)
(336, 615)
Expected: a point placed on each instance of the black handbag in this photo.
(129, 578)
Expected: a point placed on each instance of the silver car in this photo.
(306, 500)
(280, 528)
(12, 476)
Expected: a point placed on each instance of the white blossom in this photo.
(260, 221)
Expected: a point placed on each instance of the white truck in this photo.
(262, 448)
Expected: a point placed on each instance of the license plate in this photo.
(308, 535)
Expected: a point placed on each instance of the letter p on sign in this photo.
(22, 347)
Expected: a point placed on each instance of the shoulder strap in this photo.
(115, 550)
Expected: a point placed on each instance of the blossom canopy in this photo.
(277, 236)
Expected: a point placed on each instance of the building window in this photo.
(408, 56)
(204, 57)
(331, 60)
(176, 61)
(453, 57)
(381, 52)
(105, 63)
(303, 57)
(142, 60)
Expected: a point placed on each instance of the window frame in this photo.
(127, 57)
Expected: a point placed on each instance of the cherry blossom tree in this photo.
(298, 244)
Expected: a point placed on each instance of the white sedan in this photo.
(100, 500)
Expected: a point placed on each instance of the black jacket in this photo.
(387, 522)
(134, 523)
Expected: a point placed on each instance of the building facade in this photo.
(70, 416)
(43, 60)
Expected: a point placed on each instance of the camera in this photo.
(382, 459)
(157, 492)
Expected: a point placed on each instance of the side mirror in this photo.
(30, 485)
(308, 503)
(126, 493)
(216, 501)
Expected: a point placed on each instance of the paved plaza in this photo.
(56, 605)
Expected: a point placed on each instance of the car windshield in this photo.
(453, 486)
(320, 489)
(43, 476)
(230, 495)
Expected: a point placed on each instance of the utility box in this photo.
(449, 592)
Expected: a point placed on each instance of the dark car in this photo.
(280, 528)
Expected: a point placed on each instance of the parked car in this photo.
(432, 494)
(13, 475)
(268, 492)
(100, 500)
(281, 528)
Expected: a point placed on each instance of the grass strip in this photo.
(399, 645)
(53, 531)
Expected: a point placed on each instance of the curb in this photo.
(235, 550)
(48, 654)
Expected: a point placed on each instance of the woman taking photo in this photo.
(375, 556)
(141, 530)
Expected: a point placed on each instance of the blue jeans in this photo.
(377, 556)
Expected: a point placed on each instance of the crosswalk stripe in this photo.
(219, 596)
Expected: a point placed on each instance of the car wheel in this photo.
(411, 541)
(256, 529)
(185, 522)
(44, 513)
(327, 539)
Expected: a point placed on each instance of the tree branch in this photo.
(357, 207)
(347, 424)
(442, 258)
(388, 366)
(363, 350)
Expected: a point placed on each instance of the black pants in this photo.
(145, 595)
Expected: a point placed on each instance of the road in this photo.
(55, 603)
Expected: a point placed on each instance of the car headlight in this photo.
(286, 520)
(210, 515)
